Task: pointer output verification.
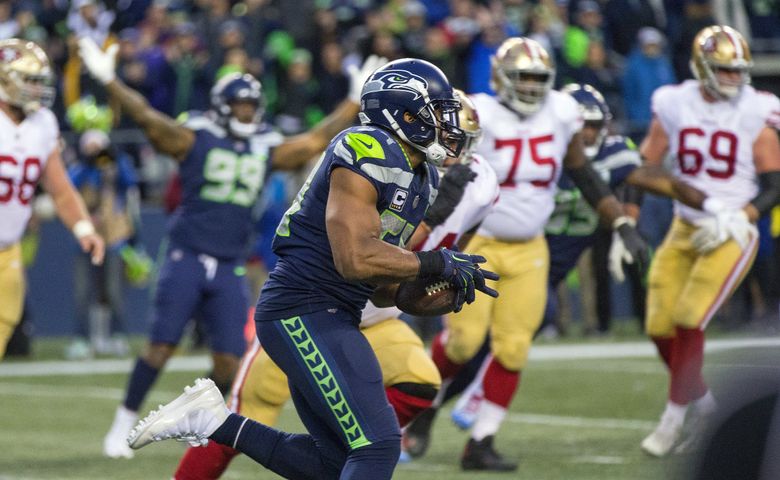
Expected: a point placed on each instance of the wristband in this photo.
(82, 228)
(431, 264)
(623, 220)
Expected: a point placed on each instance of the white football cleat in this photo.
(664, 437)
(191, 417)
(695, 429)
(115, 441)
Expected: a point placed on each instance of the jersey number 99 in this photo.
(233, 178)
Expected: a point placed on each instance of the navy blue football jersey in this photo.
(220, 180)
(305, 279)
(571, 227)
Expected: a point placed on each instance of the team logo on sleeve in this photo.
(399, 199)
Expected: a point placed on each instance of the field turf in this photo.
(581, 412)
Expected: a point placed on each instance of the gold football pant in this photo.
(11, 292)
(515, 315)
(686, 288)
(260, 389)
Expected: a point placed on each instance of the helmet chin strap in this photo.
(434, 153)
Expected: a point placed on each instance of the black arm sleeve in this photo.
(590, 184)
(769, 194)
(629, 194)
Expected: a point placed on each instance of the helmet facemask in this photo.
(234, 89)
(522, 74)
(442, 117)
(523, 91)
(594, 118)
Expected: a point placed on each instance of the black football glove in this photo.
(451, 189)
(462, 270)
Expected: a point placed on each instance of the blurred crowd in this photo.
(172, 51)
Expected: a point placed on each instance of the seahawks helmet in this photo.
(594, 110)
(419, 89)
(232, 88)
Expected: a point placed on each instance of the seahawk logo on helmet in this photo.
(413, 99)
(398, 80)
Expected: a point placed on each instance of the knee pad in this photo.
(462, 348)
(382, 451)
(511, 352)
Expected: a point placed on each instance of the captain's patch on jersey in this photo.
(399, 199)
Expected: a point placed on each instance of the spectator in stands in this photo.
(413, 38)
(186, 58)
(89, 18)
(598, 73)
(8, 24)
(438, 52)
(298, 96)
(624, 18)
(697, 15)
(586, 28)
(108, 183)
(647, 68)
(332, 79)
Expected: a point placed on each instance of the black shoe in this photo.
(480, 455)
(417, 436)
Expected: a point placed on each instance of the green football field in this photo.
(581, 411)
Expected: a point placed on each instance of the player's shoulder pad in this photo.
(766, 105)
(357, 145)
(564, 107)
(50, 126)
(617, 152)
(266, 136)
(669, 96)
(483, 100)
(196, 120)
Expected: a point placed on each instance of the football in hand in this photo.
(426, 298)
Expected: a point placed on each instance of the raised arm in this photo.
(165, 134)
(354, 233)
(298, 150)
(70, 207)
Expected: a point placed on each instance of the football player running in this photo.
(467, 193)
(343, 236)
(30, 153)
(223, 156)
(722, 136)
(531, 134)
(569, 231)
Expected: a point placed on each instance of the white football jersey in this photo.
(24, 150)
(477, 202)
(711, 143)
(527, 155)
